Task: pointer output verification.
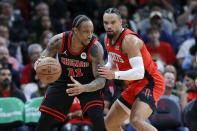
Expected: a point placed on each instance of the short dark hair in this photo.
(191, 74)
(153, 28)
(79, 19)
(113, 10)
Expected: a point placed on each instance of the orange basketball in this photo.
(48, 70)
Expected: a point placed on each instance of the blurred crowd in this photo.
(168, 28)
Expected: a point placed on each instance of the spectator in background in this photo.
(190, 114)
(125, 14)
(16, 23)
(44, 38)
(189, 16)
(6, 58)
(191, 92)
(28, 73)
(2, 41)
(159, 50)
(172, 69)
(75, 120)
(44, 24)
(42, 10)
(184, 51)
(190, 62)
(155, 18)
(42, 87)
(57, 8)
(179, 86)
(170, 85)
(186, 20)
(14, 49)
(11, 63)
(7, 88)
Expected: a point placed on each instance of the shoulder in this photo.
(96, 48)
(58, 36)
(18, 93)
(96, 51)
(132, 40)
(188, 42)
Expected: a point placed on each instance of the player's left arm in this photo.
(131, 45)
(96, 55)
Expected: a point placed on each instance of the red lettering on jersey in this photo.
(74, 72)
(71, 72)
(74, 63)
(77, 63)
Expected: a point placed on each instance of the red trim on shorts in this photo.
(63, 42)
(44, 96)
(48, 108)
(92, 43)
(94, 103)
(101, 94)
(85, 109)
(53, 114)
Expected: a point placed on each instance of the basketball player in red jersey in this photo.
(128, 53)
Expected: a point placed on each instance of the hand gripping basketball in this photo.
(38, 61)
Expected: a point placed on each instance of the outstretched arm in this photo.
(53, 47)
(131, 46)
(96, 55)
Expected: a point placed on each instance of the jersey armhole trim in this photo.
(63, 42)
(90, 49)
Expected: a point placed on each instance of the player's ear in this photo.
(75, 30)
(121, 21)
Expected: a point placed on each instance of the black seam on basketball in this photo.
(45, 65)
(47, 74)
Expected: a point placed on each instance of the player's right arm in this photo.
(110, 64)
(52, 48)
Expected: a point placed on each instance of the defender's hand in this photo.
(106, 73)
(77, 88)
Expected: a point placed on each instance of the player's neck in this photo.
(114, 39)
(155, 44)
(75, 44)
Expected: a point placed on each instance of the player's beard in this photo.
(5, 84)
(110, 36)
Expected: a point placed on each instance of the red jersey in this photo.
(164, 53)
(191, 95)
(122, 60)
(25, 77)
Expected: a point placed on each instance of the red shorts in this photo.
(148, 90)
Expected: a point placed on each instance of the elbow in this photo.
(141, 73)
(102, 84)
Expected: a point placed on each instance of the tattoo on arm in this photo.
(53, 46)
(96, 55)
